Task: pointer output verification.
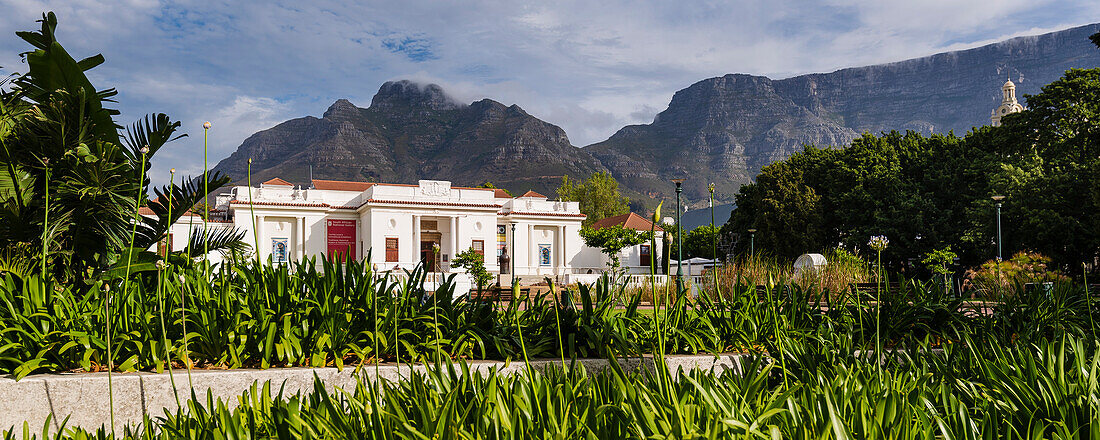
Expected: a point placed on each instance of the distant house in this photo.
(634, 259)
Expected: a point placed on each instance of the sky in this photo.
(590, 67)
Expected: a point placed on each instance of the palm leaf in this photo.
(221, 240)
(183, 198)
(152, 132)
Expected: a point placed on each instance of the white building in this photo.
(1008, 105)
(399, 226)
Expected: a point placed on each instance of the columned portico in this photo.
(399, 226)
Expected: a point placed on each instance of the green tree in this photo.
(612, 240)
(474, 263)
(599, 196)
(55, 132)
(1051, 154)
(783, 209)
(490, 185)
(699, 242)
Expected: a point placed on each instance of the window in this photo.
(479, 247)
(279, 247)
(391, 250)
(544, 255)
(643, 251)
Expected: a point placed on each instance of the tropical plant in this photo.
(58, 133)
(611, 240)
(474, 263)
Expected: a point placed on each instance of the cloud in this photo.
(590, 67)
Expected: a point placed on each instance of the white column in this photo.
(561, 250)
(454, 236)
(301, 238)
(416, 239)
(532, 251)
(260, 229)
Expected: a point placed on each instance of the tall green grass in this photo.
(330, 313)
(968, 390)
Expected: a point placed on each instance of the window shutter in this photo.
(391, 250)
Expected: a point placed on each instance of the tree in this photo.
(612, 240)
(490, 185)
(598, 196)
(474, 263)
(699, 242)
(55, 132)
(782, 208)
(1051, 155)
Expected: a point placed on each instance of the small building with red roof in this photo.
(635, 259)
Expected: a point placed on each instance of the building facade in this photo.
(396, 226)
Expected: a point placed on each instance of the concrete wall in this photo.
(83, 397)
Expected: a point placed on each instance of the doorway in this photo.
(429, 241)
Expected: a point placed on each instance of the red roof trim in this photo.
(412, 202)
(305, 205)
(277, 181)
(532, 194)
(341, 185)
(544, 214)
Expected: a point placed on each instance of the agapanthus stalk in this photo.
(557, 318)
(45, 219)
(160, 288)
(206, 193)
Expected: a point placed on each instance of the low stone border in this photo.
(82, 397)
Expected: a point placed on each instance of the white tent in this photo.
(812, 262)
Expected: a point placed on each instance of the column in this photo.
(416, 240)
(561, 250)
(454, 237)
(260, 229)
(532, 251)
(301, 238)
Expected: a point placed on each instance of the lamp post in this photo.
(513, 260)
(679, 239)
(998, 200)
(752, 242)
(714, 241)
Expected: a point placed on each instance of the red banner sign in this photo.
(340, 236)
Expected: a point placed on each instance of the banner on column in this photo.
(340, 236)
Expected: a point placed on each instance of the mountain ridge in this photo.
(721, 129)
(724, 129)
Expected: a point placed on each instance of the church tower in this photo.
(1008, 103)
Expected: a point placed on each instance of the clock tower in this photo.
(1008, 103)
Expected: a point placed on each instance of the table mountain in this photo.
(720, 130)
(724, 129)
(413, 132)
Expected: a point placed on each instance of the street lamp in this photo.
(713, 241)
(998, 200)
(752, 241)
(679, 240)
(513, 243)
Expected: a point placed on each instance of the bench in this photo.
(870, 291)
(779, 293)
(498, 294)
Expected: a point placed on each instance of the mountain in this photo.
(413, 132)
(720, 130)
(724, 129)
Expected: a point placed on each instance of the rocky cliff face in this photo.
(413, 132)
(725, 129)
(720, 130)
